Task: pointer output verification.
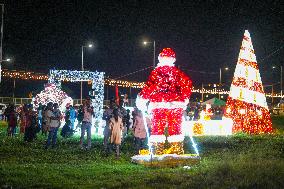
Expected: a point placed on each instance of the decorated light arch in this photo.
(97, 79)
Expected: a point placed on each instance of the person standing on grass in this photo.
(127, 120)
(44, 120)
(12, 121)
(66, 130)
(116, 127)
(31, 129)
(23, 118)
(122, 114)
(53, 117)
(139, 132)
(108, 113)
(72, 115)
(134, 114)
(39, 117)
(48, 114)
(80, 116)
(88, 112)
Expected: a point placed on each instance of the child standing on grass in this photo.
(116, 127)
(66, 130)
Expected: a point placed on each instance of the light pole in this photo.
(6, 60)
(1, 38)
(154, 51)
(281, 79)
(82, 56)
(14, 88)
(220, 77)
(202, 93)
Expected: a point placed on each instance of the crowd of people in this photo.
(193, 111)
(47, 119)
(120, 122)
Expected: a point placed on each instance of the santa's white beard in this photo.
(166, 61)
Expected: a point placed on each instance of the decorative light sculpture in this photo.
(167, 93)
(246, 104)
(53, 94)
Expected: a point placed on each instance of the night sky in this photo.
(205, 35)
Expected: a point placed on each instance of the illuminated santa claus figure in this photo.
(168, 90)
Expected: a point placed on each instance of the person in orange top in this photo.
(116, 127)
(139, 132)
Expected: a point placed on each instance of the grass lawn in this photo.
(239, 161)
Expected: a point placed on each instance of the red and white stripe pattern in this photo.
(246, 103)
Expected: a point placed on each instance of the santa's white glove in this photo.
(141, 103)
(186, 101)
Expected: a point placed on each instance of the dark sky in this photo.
(205, 35)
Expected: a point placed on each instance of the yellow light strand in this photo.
(120, 83)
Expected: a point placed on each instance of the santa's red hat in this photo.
(167, 52)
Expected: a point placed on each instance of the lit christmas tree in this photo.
(168, 90)
(246, 104)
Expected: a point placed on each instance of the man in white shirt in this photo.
(53, 116)
(88, 112)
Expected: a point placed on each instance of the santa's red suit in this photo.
(168, 90)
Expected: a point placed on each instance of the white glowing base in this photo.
(96, 129)
(166, 160)
(211, 127)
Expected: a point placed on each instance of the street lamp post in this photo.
(281, 79)
(1, 37)
(14, 88)
(220, 78)
(154, 51)
(82, 68)
(6, 60)
(202, 92)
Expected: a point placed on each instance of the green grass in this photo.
(239, 161)
(278, 123)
